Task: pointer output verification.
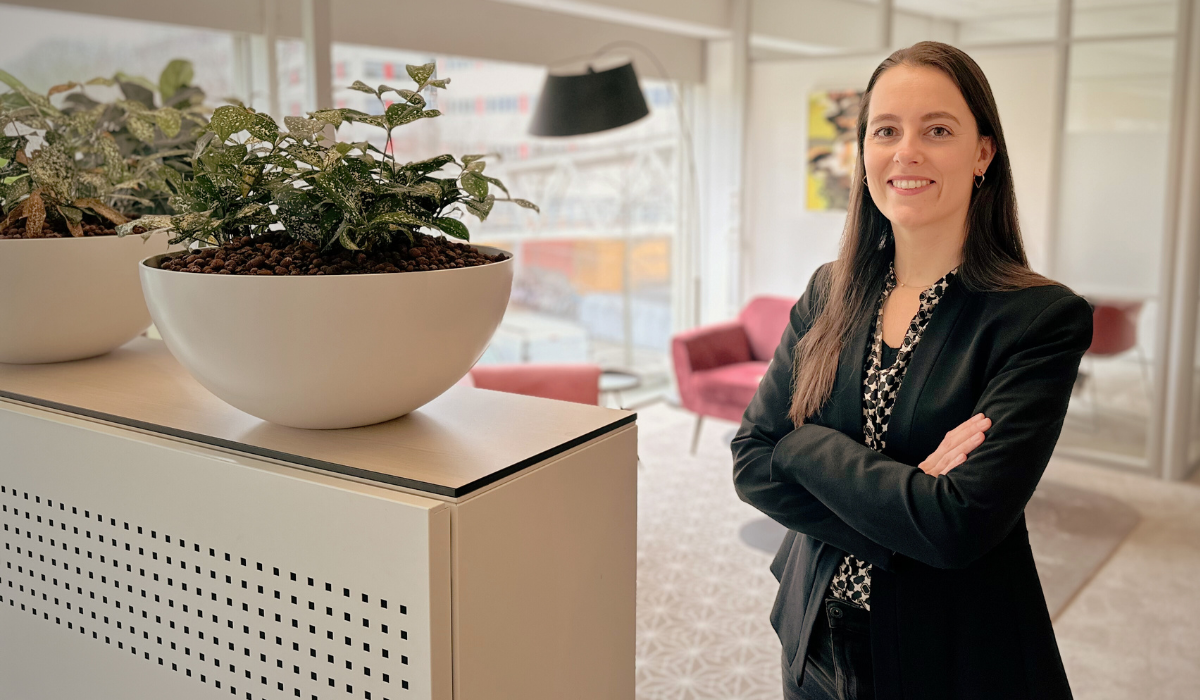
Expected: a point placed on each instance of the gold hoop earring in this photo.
(864, 179)
(979, 182)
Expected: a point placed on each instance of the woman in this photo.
(909, 413)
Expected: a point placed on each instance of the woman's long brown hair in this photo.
(993, 257)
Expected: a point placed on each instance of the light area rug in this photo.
(704, 591)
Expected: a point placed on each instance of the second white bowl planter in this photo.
(69, 298)
(337, 351)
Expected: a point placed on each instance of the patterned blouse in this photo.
(886, 367)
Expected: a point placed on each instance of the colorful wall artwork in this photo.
(832, 147)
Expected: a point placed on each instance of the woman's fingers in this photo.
(950, 464)
(968, 427)
(959, 455)
(956, 445)
(953, 440)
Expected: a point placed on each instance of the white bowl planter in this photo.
(336, 351)
(70, 298)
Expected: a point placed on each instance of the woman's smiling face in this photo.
(922, 148)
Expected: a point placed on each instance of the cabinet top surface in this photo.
(461, 441)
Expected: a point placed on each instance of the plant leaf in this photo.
(263, 127)
(429, 165)
(141, 127)
(137, 90)
(202, 143)
(178, 73)
(527, 204)
(74, 227)
(38, 102)
(107, 82)
(475, 184)
(169, 120)
(344, 238)
(302, 128)
(363, 87)
(497, 183)
(335, 185)
(400, 218)
(114, 162)
(71, 213)
(373, 121)
(481, 208)
(426, 188)
(400, 113)
(332, 117)
(152, 224)
(421, 73)
(388, 88)
(35, 214)
(442, 83)
(452, 227)
(102, 209)
(63, 87)
(229, 119)
(186, 96)
(13, 214)
(11, 145)
(51, 168)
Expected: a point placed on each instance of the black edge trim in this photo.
(321, 464)
(570, 444)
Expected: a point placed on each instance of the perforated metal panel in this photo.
(239, 581)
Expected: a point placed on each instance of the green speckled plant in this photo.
(249, 178)
(93, 161)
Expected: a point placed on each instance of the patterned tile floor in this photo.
(703, 595)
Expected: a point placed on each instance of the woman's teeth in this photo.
(909, 184)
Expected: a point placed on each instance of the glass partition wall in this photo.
(1091, 95)
(1110, 235)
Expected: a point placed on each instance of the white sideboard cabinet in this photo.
(157, 543)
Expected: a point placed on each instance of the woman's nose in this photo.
(908, 151)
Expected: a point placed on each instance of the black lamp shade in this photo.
(584, 104)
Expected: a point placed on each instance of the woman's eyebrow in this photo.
(928, 117)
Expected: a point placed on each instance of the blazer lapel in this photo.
(921, 364)
(846, 400)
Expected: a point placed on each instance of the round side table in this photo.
(614, 381)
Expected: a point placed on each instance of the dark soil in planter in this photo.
(275, 254)
(17, 230)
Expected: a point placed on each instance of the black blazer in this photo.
(957, 610)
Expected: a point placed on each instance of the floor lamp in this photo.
(595, 101)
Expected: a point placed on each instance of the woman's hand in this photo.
(956, 445)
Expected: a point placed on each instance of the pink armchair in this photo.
(579, 383)
(718, 367)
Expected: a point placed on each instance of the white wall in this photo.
(786, 241)
(789, 242)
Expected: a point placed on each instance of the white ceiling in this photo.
(546, 31)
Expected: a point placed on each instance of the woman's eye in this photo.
(940, 131)
(879, 133)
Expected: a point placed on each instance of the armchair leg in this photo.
(696, 433)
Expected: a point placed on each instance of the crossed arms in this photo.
(820, 482)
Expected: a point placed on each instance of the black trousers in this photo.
(839, 657)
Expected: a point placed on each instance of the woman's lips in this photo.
(909, 192)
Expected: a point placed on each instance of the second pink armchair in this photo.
(718, 367)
